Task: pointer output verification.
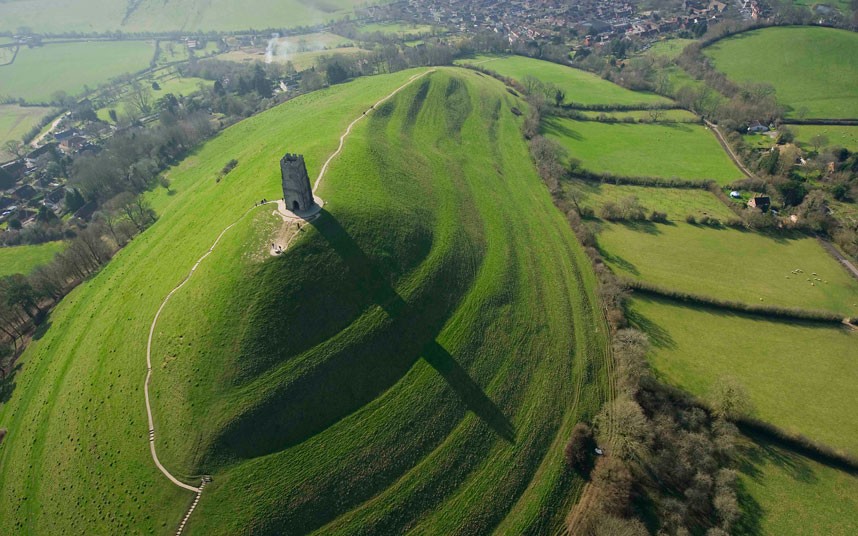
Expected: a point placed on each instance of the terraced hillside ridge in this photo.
(415, 360)
(814, 391)
(580, 86)
(812, 69)
(91, 16)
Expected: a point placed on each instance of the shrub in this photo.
(691, 219)
(658, 217)
(580, 449)
(610, 211)
(229, 166)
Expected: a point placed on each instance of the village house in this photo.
(762, 202)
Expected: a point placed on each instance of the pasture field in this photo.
(838, 136)
(581, 87)
(677, 203)
(175, 85)
(812, 69)
(729, 264)
(23, 259)
(300, 60)
(785, 493)
(679, 116)
(669, 150)
(88, 16)
(398, 29)
(444, 375)
(800, 376)
(669, 48)
(40, 72)
(15, 122)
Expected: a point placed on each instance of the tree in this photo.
(613, 483)
(6, 354)
(730, 399)
(140, 99)
(579, 448)
(113, 116)
(74, 200)
(559, 97)
(631, 436)
(819, 141)
(336, 73)
(16, 148)
(260, 83)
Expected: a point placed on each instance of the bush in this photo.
(580, 449)
(658, 217)
(610, 211)
(229, 166)
(691, 219)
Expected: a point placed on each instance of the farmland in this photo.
(786, 493)
(22, 259)
(679, 116)
(666, 150)
(732, 265)
(89, 16)
(15, 122)
(670, 48)
(676, 203)
(580, 86)
(444, 343)
(40, 72)
(402, 30)
(813, 392)
(812, 69)
(836, 136)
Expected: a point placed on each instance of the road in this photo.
(35, 143)
(729, 149)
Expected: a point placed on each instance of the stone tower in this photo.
(296, 183)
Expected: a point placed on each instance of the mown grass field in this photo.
(676, 203)
(399, 29)
(23, 259)
(88, 16)
(812, 69)
(729, 264)
(581, 87)
(784, 493)
(668, 150)
(175, 85)
(800, 376)
(39, 72)
(15, 122)
(408, 364)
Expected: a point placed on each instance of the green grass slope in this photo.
(39, 72)
(23, 259)
(667, 150)
(415, 360)
(581, 87)
(811, 68)
(800, 377)
(733, 265)
(88, 16)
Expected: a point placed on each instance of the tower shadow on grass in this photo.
(353, 375)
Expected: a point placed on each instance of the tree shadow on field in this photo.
(620, 262)
(658, 336)
(7, 384)
(556, 127)
(353, 370)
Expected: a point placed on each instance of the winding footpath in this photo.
(199, 490)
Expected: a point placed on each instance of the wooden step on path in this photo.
(184, 522)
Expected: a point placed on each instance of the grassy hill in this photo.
(667, 150)
(419, 347)
(88, 16)
(800, 376)
(581, 87)
(23, 259)
(811, 68)
(39, 72)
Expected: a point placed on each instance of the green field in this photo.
(667, 150)
(675, 202)
(15, 122)
(398, 29)
(581, 87)
(812, 69)
(171, 84)
(800, 377)
(670, 48)
(679, 116)
(22, 259)
(838, 136)
(409, 364)
(39, 72)
(88, 16)
(733, 265)
(784, 493)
